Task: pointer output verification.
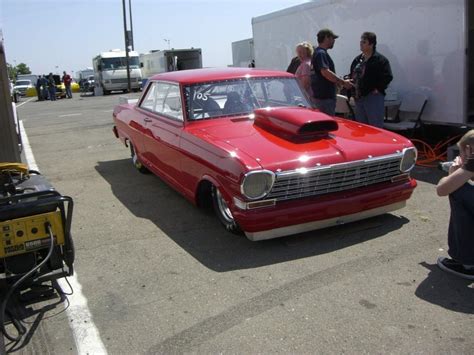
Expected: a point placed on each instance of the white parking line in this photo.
(71, 114)
(86, 334)
(32, 98)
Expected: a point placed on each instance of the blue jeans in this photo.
(328, 106)
(461, 225)
(52, 93)
(370, 109)
(68, 91)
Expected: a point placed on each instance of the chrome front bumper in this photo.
(305, 227)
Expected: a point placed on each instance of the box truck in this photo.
(110, 71)
(429, 44)
(160, 61)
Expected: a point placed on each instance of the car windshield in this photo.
(119, 63)
(23, 82)
(241, 96)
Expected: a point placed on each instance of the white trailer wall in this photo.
(425, 41)
(242, 53)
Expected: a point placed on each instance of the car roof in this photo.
(194, 76)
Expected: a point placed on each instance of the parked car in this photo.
(60, 87)
(87, 84)
(21, 86)
(248, 142)
(13, 92)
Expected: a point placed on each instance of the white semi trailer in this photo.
(429, 44)
(161, 61)
(242, 53)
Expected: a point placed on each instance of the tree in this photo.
(11, 71)
(22, 68)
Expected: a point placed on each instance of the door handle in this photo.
(146, 119)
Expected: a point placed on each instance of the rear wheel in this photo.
(137, 163)
(223, 211)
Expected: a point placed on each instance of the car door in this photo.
(140, 120)
(163, 126)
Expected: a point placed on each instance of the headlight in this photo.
(409, 159)
(257, 184)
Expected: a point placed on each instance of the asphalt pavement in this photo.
(161, 276)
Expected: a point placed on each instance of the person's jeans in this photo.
(328, 106)
(52, 93)
(461, 225)
(370, 109)
(38, 93)
(68, 91)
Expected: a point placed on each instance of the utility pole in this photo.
(126, 45)
(9, 151)
(131, 24)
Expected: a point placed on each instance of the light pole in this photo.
(126, 45)
(131, 24)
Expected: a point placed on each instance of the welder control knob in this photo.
(34, 230)
(19, 233)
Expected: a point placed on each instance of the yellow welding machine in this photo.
(30, 233)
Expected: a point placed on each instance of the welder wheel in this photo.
(69, 253)
(223, 211)
(137, 163)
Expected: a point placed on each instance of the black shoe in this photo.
(456, 268)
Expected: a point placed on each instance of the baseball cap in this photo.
(326, 32)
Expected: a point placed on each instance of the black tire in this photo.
(223, 212)
(69, 253)
(106, 92)
(137, 163)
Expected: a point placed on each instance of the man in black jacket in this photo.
(371, 74)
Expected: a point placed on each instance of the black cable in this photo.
(70, 286)
(3, 306)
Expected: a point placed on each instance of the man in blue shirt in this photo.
(324, 78)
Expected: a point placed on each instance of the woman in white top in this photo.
(304, 51)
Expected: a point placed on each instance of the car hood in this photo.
(351, 141)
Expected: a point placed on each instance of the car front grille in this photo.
(323, 180)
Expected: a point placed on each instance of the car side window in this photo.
(148, 103)
(172, 103)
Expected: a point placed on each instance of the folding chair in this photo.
(343, 107)
(413, 105)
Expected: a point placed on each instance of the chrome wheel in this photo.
(223, 208)
(136, 162)
(223, 211)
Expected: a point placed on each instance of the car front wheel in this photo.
(223, 211)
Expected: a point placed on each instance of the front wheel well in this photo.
(204, 194)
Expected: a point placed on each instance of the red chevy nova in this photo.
(248, 142)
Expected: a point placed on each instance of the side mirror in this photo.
(99, 67)
(141, 65)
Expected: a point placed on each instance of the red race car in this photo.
(248, 142)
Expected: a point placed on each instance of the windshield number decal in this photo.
(201, 96)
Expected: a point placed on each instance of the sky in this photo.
(57, 35)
